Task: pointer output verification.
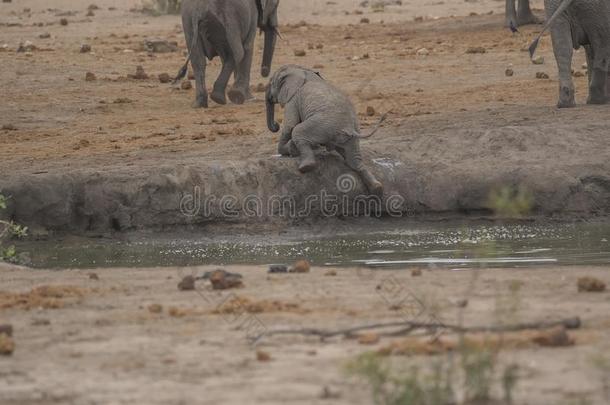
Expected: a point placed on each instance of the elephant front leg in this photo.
(562, 47)
(198, 63)
(525, 15)
(510, 15)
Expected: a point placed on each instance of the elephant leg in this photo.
(220, 86)
(511, 14)
(241, 89)
(353, 158)
(283, 147)
(305, 136)
(590, 62)
(561, 35)
(525, 15)
(198, 63)
(597, 88)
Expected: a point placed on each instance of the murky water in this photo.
(454, 246)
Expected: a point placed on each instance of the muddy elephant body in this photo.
(227, 29)
(316, 114)
(576, 23)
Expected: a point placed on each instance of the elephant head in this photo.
(267, 22)
(283, 86)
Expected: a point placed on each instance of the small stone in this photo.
(591, 284)
(93, 276)
(165, 78)
(364, 20)
(7, 345)
(222, 280)
(278, 268)
(90, 77)
(538, 60)
(370, 111)
(331, 273)
(63, 21)
(90, 13)
(302, 266)
(423, 52)
(555, 337)
(541, 75)
(187, 284)
(44, 35)
(263, 356)
(320, 46)
(509, 72)
(300, 52)
(186, 85)
(155, 308)
(369, 338)
(476, 49)
(26, 46)
(416, 273)
(139, 75)
(85, 48)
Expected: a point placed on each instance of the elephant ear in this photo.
(289, 83)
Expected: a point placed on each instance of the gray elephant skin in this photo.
(227, 28)
(576, 23)
(519, 14)
(316, 114)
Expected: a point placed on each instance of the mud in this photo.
(119, 154)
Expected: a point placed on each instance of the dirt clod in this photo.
(186, 85)
(93, 276)
(85, 48)
(302, 266)
(591, 284)
(263, 356)
(139, 75)
(63, 21)
(187, 284)
(90, 77)
(300, 52)
(416, 272)
(541, 75)
(370, 111)
(155, 308)
(509, 72)
(222, 280)
(165, 78)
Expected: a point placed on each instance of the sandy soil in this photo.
(97, 341)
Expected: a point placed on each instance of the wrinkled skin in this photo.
(227, 28)
(519, 13)
(316, 114)
(585, 23)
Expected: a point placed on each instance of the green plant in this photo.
(478, 366)
(9, 230)
(510, 202)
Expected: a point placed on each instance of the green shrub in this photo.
(9, 230)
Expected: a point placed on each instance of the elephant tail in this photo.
(184, 69)
(562, 7)
(377, 126)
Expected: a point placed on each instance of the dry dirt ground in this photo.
(80, 340)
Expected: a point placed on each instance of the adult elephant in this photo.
(576, 23)
(519, 14)
(227, 28)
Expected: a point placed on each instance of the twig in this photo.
(408, 327)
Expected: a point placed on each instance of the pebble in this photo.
(364, 20)
(331, 273)
(93, 276)
(591, 284)
(578, 73)
(139, 75)
(416, 273)
(541, 75)
(223, 280)
(44, 35)
(187, 284)
(301, 266)
(263, 356)
(423, 52)
(186, 85)
(155, 308)
(509, 72)
(85, 48)
(300, 52)
(7, 330)
(63, 21)
(538, 60)
(165, 78)
(90, 77)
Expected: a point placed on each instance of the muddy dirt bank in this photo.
(130, 336)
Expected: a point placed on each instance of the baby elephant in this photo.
(316, 113)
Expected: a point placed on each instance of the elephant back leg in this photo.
(525, 15)
(353, 158)
(195, 43)
(598, 75)
(218, 39)
(305, 136)
(563, 49)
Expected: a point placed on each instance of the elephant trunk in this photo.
(271, 124)
(270, 38)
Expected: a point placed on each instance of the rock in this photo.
(369, 338)
(370, 111)
(187, 284)
(26, 46)
(300, 52)
(93, 276)
(318, 66)
(90, 13)
(63, 21)
(6, 330)
(44, 35)
(538, 60)
(364, 20)
(555, 337)
(85, 48)
(186, 85)
(7, 345)
(90, 77)
(331, 273)
(591, 284)
(157, 45)
(509, 72)
(139, 75)
(222, 280)
(541, 75)
(263, 356)
(301, 266)
(423, 52)
(320, 46)
(476, 49)
(416, 273)
(278, 268)
(155, 308)
(165, 78)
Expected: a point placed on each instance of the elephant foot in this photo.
(372, 184)
(236, 96)
(219, 97)
(200, 102)
(566, 98)
(307, 166)
(597, 99)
